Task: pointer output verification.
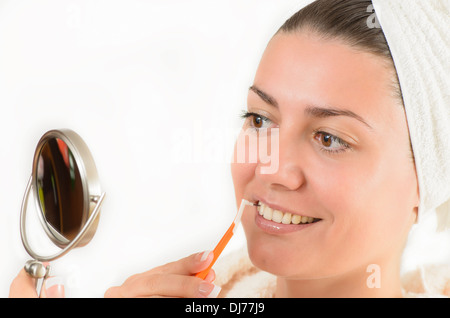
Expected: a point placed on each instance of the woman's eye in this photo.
(327, 140)
(330, 143)
(257, 121)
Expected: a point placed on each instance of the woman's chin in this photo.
(276, 262)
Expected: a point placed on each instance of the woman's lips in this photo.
(275, 221)
(279, 228)
(279, 216)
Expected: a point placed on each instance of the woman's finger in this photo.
(23, 286)
(187, 266)
(53, 288)
(164, 285)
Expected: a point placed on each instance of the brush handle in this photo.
(225, 239)
(217, 251)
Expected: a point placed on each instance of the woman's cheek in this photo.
(242, 168)
(242, 174)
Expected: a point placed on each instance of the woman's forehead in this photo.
(303, 69)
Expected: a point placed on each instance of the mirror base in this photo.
(39, 272)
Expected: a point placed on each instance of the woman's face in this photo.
(343, 157)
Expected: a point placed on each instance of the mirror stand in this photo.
(35, 268)
(65, 186)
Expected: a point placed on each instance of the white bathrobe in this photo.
(238, 278)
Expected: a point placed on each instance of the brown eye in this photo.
(257, 121)
(330, 142)
(326, 140)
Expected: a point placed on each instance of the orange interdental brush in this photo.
(225, 238)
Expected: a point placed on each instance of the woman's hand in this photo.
(171, 280)
(23, 286)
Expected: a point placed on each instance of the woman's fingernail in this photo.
(209, 290)
(210, 277)
(54, 287)
(215, 292)
(205, 256)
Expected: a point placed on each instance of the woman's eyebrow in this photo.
(264, 96)
(324, 112)
(314, 111)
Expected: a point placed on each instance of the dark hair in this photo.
(349, 21)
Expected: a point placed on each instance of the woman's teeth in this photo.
(282, 217)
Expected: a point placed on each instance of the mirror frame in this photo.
(92, 195)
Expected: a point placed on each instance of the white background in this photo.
(155, 88)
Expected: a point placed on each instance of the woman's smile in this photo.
(280, 221)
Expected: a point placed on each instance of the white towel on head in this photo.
(418, 35)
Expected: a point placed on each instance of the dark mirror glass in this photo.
(60, 189)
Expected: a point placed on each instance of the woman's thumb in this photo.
(53, 288)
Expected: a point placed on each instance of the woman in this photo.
(333, 219)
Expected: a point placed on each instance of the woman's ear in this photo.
(416, 201)
(417, 196)
(414, 215)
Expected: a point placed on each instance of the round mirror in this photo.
(66, 189)
(59, 189)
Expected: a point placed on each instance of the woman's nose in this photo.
(286, 163)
